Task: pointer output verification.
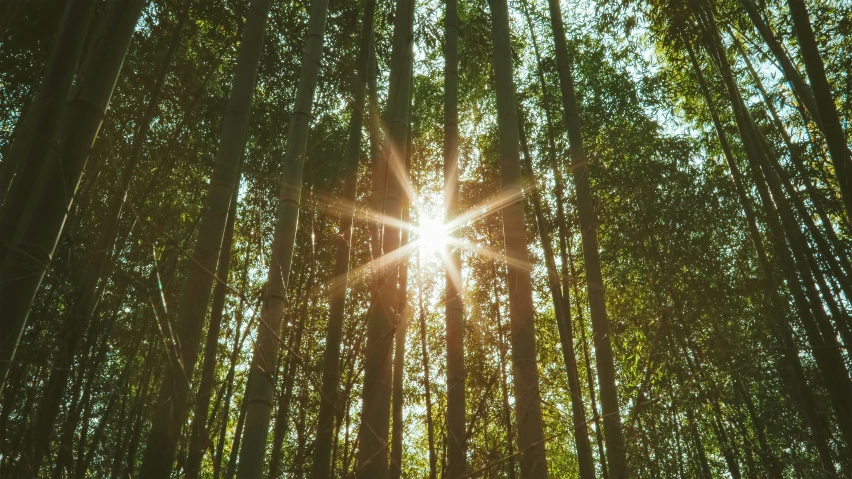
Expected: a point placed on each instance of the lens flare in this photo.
(432, 235)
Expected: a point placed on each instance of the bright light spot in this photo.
(431, 235)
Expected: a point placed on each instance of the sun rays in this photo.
(432, 235)
(428, 234)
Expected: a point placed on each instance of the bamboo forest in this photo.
(425, 239)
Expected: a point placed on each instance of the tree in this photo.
(42, 120)
(86, 291)
(260, 389)
(397, 427)
(561, 308)
(199, 437)
(41, 218)
(531, 439)
(834, 135)
(43, 115)
(782, 329)
(817, 324)
(329, 401)
(709, 204)
(456, 430)
(174, 395)
(615, 446)
(384, 317)
(790, 71)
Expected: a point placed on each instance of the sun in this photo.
(431, 235)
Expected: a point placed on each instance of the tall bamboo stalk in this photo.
(567, 270)
(26, 155)
(289, 369)
(42, 217)
(199, 435)
(799, 163)
(85, 296)
(835, 136)
(427, 385)
(780, 326)
(173, 402)
(259, 391)
(562, 311)
(397, 426)
(613, 433)
(800, 88)
(533, 459)
(337, 303)
(375, 410)
(504, 388)
(454, 309)
(785, 229)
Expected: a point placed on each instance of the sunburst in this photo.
(429, 234)
(432, 235)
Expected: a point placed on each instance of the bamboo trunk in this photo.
(798, 163)
(699, 446)
(780, 326)
(229, 385)
(231, 470)
(375, 410)
(800, 88)
(173, 402)
(34, 222)
(397, 428)
(613, 434)
(23, 160)
(427, 385)
(533, 458)
(147, 384)
(288, 373)
(507, 410)
(454, 309)
(562, 309)
(260, 390)
(337, 303)
(590, 380)
(831, 127)
(568, 276)
(199, 435)
(771, 464)
(85, 296)
(818, 328)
